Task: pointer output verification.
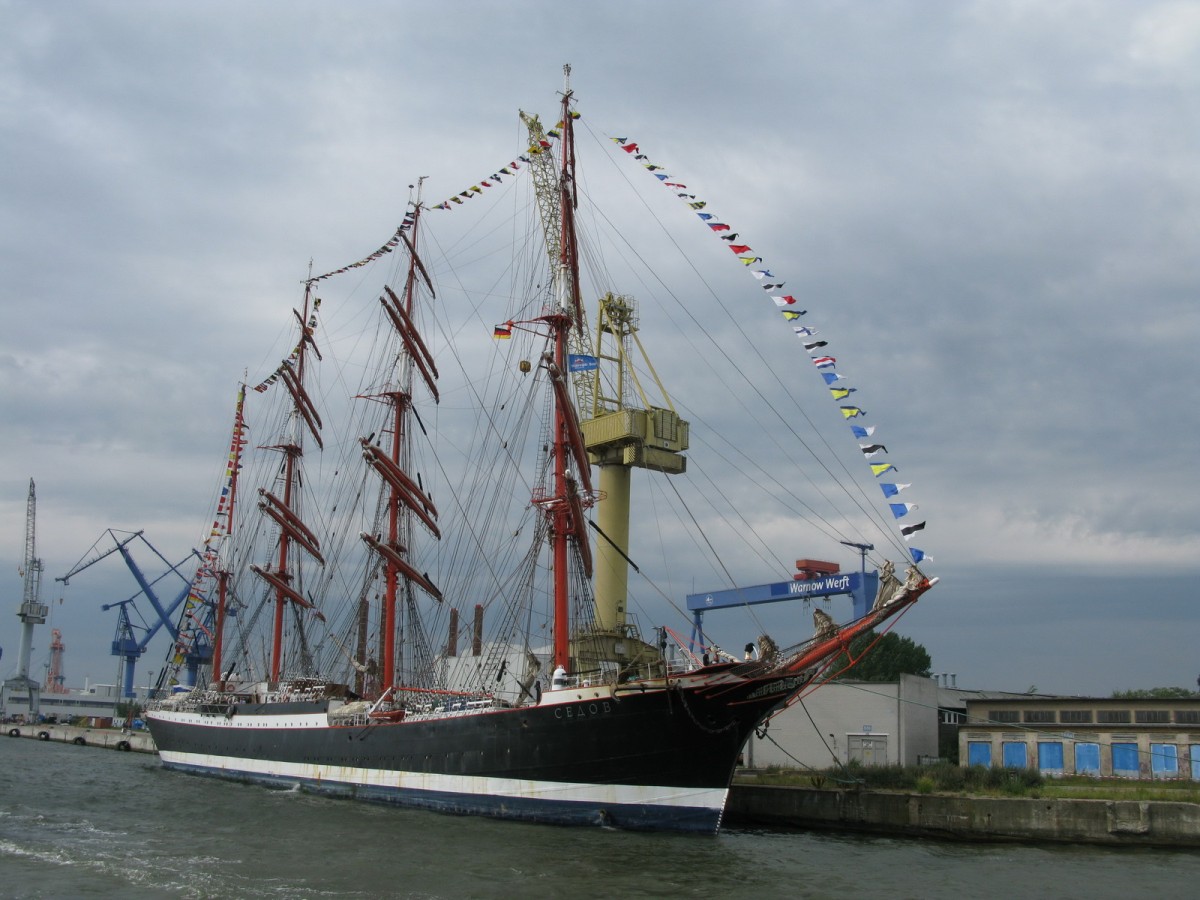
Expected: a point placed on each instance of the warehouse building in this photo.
(1084, 736)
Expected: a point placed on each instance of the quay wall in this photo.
(1111, 822)
(135, 741)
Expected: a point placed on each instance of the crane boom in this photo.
(545, 184)
(548, 187)
(32, 566)
(119, 544)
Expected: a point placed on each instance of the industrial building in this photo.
(94, 701)
(898, 723)
(873, 723)
(1084, 736)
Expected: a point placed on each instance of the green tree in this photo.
(127, 711)
(1158, 693)
(890, 658)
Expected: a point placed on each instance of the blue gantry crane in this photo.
(813, 578)
(127, 644)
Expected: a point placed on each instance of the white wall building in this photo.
(875, 723)
(94, 700)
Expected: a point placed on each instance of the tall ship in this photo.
(429, 604)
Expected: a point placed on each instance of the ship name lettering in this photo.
(583, 711)
(777, 687)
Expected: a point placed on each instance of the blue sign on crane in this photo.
(862, 586)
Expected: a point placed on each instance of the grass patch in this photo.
(1112, 789)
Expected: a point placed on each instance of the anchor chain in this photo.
(683, 700)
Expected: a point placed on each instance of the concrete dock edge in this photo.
(1111, 822)
(112, 739)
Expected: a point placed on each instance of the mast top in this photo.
(416, 190)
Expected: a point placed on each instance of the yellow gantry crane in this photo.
(625, 431)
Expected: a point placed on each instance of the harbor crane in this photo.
(32, 611)
(814, 578)
(127, 645)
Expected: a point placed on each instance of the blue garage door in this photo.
(1050, 757)
(1087, 759)
(979, 753)
(1125, 759)
(1016, 754)
(1164, 760)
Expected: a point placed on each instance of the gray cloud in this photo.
(989, 209)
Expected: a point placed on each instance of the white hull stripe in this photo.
(389, 781)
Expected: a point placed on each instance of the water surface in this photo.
(85, 822)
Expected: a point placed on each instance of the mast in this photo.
(570, 490)
(560, 521)
(399, 401)
(548, 190)
(282, 510)
(616, 434)
(561, 322)
(406, 499)
(223, 574)
(292, 452)
(566, 518)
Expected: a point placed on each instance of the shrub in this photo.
(948, 777)
(975, 778)
(943, 776)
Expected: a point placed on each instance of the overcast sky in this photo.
(995, 203)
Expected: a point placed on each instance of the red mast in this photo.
(406, 499)
(560, 520)
(291, 453)
(566, 514)
(390, 570)
(291, 528)
(399, 400)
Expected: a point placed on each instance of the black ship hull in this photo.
(638, 757)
